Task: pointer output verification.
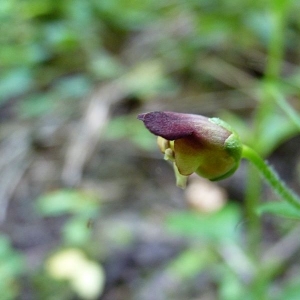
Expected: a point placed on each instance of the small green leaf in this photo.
(290, 289)
(128, 128)
(73, 87)
(282, 209)
(76, 231)
(36, 105)
(15, 83)
(219, 226)
(67, 201)
(231, 287)
(12, 265)
(191, 262)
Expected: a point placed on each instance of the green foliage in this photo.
(77, 231)
(191, 262)
(126, 127)
(68, 271)
(132, 14)
(218, 227)
(48, 288)
(11, 268)
(67, 201)
(61, 42)
(82, 207)
(231, 287)
(282, 209)
(290, 290)
(53, 54)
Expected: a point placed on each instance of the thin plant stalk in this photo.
(278, 13)
(285, 106)
(252, 196)
(271, 177)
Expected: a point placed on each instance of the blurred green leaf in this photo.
(260, 23)
(282, 209)
(11, 267)
(105, 66)
(148, 79)
(60, 37)
(231, 287)
(14, 83)
(131, 14)
(219, 226)
(34, 8)
(36, 105)
(66, 89)
(72, 87)
(189, 263)
(77, 231)
(290, 290)
(67, 201)
(275, 129)
(128, 127)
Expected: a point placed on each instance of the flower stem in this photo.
(271, 177)
(252, 196)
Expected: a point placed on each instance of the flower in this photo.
(207, 146)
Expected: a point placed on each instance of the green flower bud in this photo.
(206, 146)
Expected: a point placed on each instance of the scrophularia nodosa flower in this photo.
(208, 147)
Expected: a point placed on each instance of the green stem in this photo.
(278, 17)
(271, 177)
(285, 106)
(252, 196)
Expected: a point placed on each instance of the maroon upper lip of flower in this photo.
(173, 126)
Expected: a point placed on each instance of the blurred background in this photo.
(88, 207)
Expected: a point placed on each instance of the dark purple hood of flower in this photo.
(169, 125)
(174, 126)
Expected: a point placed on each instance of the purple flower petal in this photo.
(171, 125)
